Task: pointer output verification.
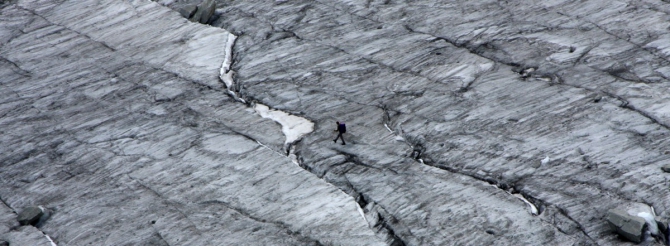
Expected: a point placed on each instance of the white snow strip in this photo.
(387, 128)
(293, 127)
(225, 74)
(360, 211)
(228, 60)
(261, 144)
(50, 240)
(533, 209)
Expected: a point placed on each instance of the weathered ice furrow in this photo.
(123, 130)
(247, 214)
(474, 49)
(536, 206)
(502, 127)
(394, 238)
(469, 122)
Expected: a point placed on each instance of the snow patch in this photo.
(545, 160)
(293, 127)
(647, 213)
(651, 223)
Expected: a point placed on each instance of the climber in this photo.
(341, 128)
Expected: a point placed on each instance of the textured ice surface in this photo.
(145, 147)
(114, 112)
(228, 144)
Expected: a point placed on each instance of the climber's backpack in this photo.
(342, 128)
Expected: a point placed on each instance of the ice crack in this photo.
(293, 127)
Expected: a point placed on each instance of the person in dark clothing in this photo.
(341, 128)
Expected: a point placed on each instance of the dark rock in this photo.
(662, 226)
(208, 7)
(629, 227)
(597, 99)
(188, 11)
(666, 168)
(30, 216)
(4, 243)
(196, 16)
(204, 12)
